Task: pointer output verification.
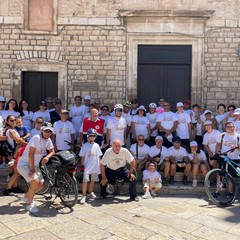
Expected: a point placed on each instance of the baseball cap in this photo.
(87, 97)
(207, 122)
(64, 111)
(236, 111)
(180, 104)
(141, 108)
(176, 139)
(193, 144)
(158, 138)
(207, 112)
(2, 99)
(42, 103)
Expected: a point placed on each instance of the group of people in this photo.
(112, 136)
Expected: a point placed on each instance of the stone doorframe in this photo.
(166, 28)
(23, 66)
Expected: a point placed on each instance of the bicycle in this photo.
(220, 186)
(61, 180)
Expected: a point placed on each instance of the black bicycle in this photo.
(59, 178)
(220, 185)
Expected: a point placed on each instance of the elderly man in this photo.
(113, 165)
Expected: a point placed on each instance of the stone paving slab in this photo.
(164, 217)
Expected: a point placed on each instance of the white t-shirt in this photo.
(7, 113)
(178, 154)
(154, 151)
(1, 125)
(200, 156)
(9, 139)
(128, 118)
(115, 161)
(27, 119)
(142, 151)
(41, 146)
(152, 176)
(167, 119)
(211, 139)
(77, 113)
(105, 118)
(182, 127)
(91, 154)
(34, 132)
(236, 126)
(63, 131)
(141, 124)
(228, 141)
(45, 115)
(219, 118)
(152, 120)
(117, 127)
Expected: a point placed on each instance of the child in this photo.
(151, 180)
(22, 130)
(90, 157)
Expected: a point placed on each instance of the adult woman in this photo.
(28, 165)
(41, 113)
(140, 124)
(152, 117)
(222, 115)
(11, 109)
(230, 117)
(26, 114)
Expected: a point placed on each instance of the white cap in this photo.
(193, 144)
(207, 111)
(207, 122)
(87, 97)
(142, 108)
(180, 104)
(2, 99)
(158, 138)
(236, 111)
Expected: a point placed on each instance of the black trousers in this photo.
(111, 176)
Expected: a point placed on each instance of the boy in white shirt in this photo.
(90, 154)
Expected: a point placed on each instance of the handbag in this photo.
(6, 149)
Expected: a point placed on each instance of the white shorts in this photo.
(94, 177)
(24, 171)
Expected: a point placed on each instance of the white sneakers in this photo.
(147, 195)
(32, 208)
(194, 183)
(83, 200)
(153, 193)
(92, 195)
(110, 189)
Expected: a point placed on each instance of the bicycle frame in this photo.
(231, 162)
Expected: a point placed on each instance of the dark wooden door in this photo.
(164, 71)
(37, 86)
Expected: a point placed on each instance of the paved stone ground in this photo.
(169, 216)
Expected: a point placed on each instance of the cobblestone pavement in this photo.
(167, 216)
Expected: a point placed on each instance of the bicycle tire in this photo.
(67, 189)
(217, 184)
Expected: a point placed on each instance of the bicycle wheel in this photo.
(220, 187)
(67, 189)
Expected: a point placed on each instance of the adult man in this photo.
(186, 107)
(179, 161)
(167, 124)
(159, 154)
(183, 130)
(160, 108)
(63, 130)
(55, 115)
(113, 165)
(116, 127)
(49, 103)
(92, 122)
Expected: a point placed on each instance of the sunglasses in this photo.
(230, 127)
(140, 139)
(165, 105)
(40, 122)
(12, 120)
(231, 109)
(118, 110)
(104, 109)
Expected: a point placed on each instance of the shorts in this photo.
(92, 176)
(24, 171)
(155, 185)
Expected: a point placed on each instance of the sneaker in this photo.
(230, 195)
(147, 195)
(153, 193)
(194, 183)
(17, 190)
(184, 180)
(171, 181)
(24, 199)
(110, 188)
(92, 195)
(10, 163)
(136, 199)
(3, 165)
(216, 195)
(32, 208)
(83, 200)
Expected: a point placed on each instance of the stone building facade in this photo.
(92, 45)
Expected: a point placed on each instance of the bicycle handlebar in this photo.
(72, 144)
(225, 153)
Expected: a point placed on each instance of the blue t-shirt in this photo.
(22, 131)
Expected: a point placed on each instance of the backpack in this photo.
(6, 149)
